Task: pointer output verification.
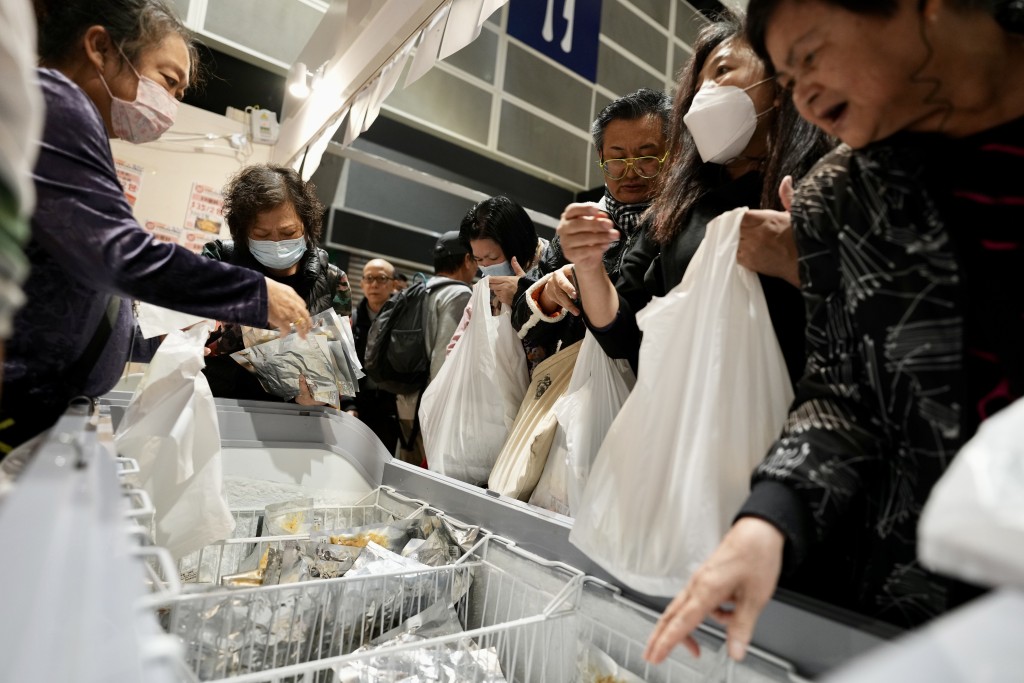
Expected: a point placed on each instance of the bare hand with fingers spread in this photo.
(744, 571)
(505, 286)
(286, 309)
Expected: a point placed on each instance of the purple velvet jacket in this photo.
(87, 247)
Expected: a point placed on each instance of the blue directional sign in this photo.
(564, 30)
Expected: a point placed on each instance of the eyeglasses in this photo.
(645, 167)
(379, 279)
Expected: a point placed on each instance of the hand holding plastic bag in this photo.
(972, 526)
(711, 397)
(171, 429)
(468, 409)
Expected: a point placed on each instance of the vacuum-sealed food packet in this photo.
(282, 363)
(237, 632)
(595, 666)
(326, 561)
(288, 518)
(454, 662)
(391, 535)
(442, 544)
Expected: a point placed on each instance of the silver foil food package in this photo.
(447, 663)
(272, 571)
(440, 619)
(460, 661)
(341, 343)
(288, 518)
(287, 564)
(294, 567)
(375, 560)
(443, 542)
(237, 632)
(280, 362)
(593, 665)
(409, 587)
(391, 535)
(436, 550)
(326, 561)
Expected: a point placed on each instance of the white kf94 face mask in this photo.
(722, 120)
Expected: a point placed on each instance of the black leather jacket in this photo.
(322, 284)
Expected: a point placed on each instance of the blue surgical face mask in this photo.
(278, 255)
(503, 268)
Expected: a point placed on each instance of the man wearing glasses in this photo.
(374, 406)
(630, 138)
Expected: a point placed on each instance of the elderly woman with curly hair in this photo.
(276, 223)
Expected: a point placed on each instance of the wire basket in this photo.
(504, 598)
(619, 629)
(225, 557)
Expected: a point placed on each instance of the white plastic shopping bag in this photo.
(468, 409)
(171, 429)
(155, 321)
(972, 526)
(711, 397)
(597, 390)
(525, 454)
(551, 492)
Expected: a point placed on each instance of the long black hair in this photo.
(794, 145)
(134, 26)
(506, 222)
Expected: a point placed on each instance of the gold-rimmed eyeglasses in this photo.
(645, 167)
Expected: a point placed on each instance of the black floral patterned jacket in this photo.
(877, 416)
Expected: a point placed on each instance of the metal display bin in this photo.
(533, 601)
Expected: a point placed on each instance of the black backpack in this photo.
(396, 349)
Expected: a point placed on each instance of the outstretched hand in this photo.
(743, 570)
(286, 309)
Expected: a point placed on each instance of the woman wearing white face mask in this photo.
(276, 223)
(108, 68)
(719, 158)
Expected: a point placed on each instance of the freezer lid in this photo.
(262, 424)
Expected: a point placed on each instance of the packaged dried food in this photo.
(461, 660)
(595, 666)
(288, 518)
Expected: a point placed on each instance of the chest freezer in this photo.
(535, 601)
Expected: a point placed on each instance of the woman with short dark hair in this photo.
(276, 224)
